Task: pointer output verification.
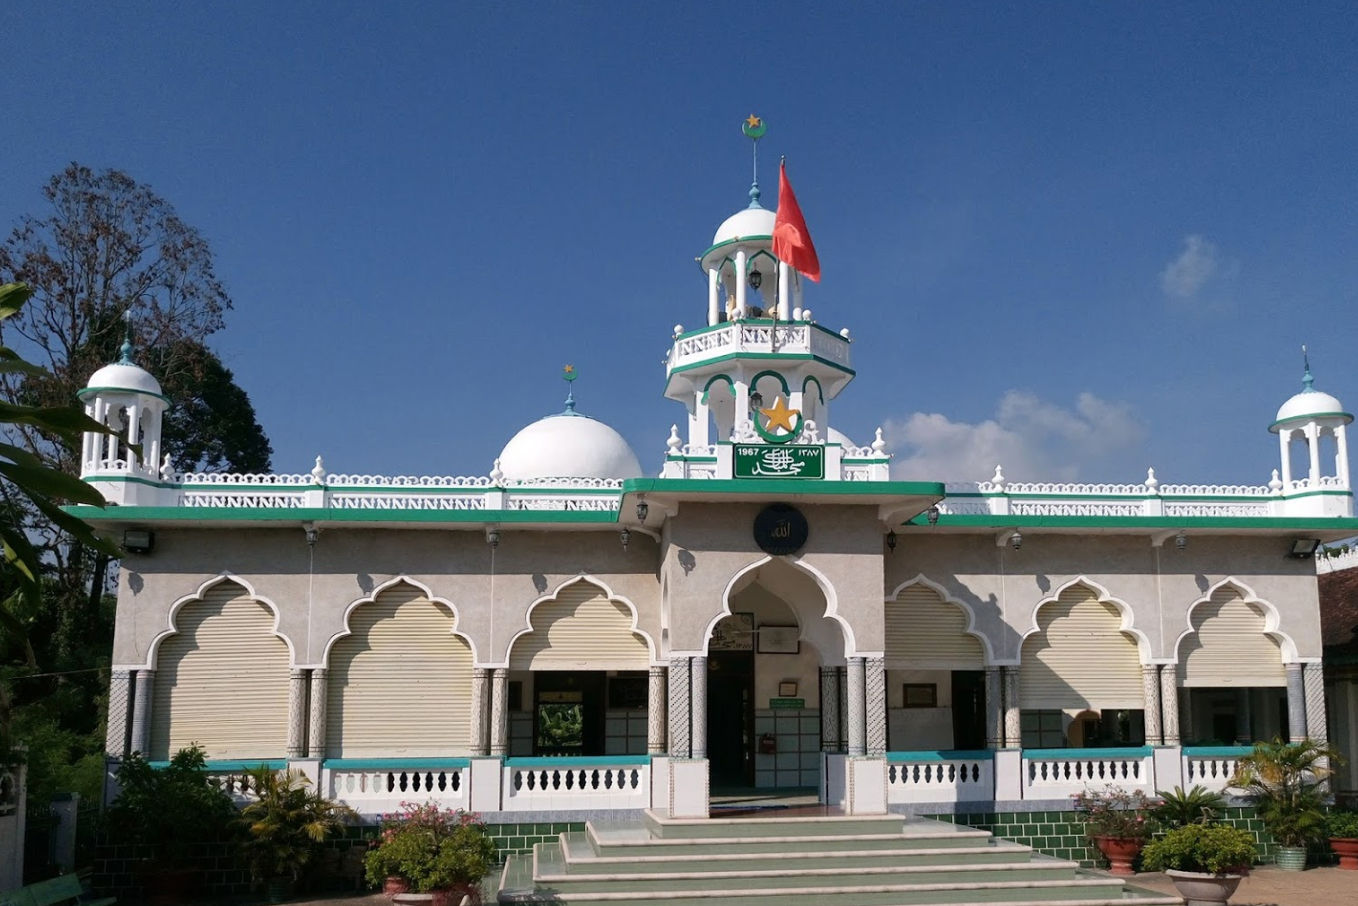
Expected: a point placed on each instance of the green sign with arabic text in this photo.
(779, 461)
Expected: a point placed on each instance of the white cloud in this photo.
(1033, 439)
(1185, 275)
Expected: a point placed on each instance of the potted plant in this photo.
(285, 827)
(1197, 806)
(443, 854)
(1115, 820)
(173, 810)
(1205, 861)
(1342, 827)
(1285, 783)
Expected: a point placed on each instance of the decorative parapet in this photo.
(745, 337)
(1327, 562)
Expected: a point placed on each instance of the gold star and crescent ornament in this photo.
(754, 127)
(779, 416)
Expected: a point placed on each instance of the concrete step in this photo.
(550, 871)
(625, 838)
(581, 855)
(666, 828)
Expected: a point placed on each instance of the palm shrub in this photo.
(1197, 806)
(285, 827)
(1206, 848)
(1285, 782)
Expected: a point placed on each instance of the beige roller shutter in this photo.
(400, 684)
(1078, 658)
(1228, 646)
(580, 629)
(925, 631)
(222, 680)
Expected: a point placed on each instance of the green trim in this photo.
(1087, 753)
(780, 356)
(725, 242)
(577, 761)
(394, 764)
(88, 391)
(1290, 523)
(730, 382)
(760, 321)
(1308, 416)
(130, 479)
(820, 391)
(295, 515)
(1232, 498)
(1216, 751)
(941, 755)
(706, 487)
(276, 764)
(782, 381)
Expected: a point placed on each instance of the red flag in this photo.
(791, 240)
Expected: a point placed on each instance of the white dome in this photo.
(744, 224)
(1310, 404)
(838, 437)
(123, 376)
(568, 446)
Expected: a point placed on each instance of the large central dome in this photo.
(568, 445)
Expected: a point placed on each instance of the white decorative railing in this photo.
(541, 784)
(1212, 767)
(1072, 508)
(256, 500)
(239, 785)
(1217, 508)
(377, 789)
(1061, 774)
(407, 481)
(1215, 490)
(250, 478)
(742, 336)
(388, 501)
(941, 777)
(1335, 562)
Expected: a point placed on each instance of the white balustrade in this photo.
(1212, 767)
(378, 790)
(741, 336)
(947, 779)
(575, 783)
(1335, 562)
(239, 785)
(1057, 776)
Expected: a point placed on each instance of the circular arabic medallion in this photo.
(780, 529)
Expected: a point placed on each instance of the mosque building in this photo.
(577, 632)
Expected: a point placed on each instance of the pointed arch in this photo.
(1103, 596)
(632, 617)
(988, 654)
(812, 379)
(822, 582)
(171, 627)
(1233, 639)
(1272, 617)
(372, 596)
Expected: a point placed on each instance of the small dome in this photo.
(568, 446)
(745, 224)
(1310, 404)
(123, 376)
(838, 437)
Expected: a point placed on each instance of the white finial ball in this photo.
(496, 475)
(878, 445)
(318, 473)
(796, 314)
(806, 314)
(1276, 485)
(678, 329)
(674, 443)
(1151, 481)
(844, 333)
(998, 478)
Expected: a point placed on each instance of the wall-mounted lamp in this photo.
(643, 508)
(493, 537)
(1181, 540)
(626, 538)
(1304, 547)
(1016, 539)
(932, 515)
(891, 540)
(139, 541)
(756, 279)
(756, 402)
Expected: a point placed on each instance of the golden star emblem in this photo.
(779, 416)
(753, 121)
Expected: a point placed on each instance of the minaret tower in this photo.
(761, 372)
(1312, 416)
(127, 399)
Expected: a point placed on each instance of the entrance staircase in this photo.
(800, 861)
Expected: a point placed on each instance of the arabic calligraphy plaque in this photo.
(773, 461)
(780, 529)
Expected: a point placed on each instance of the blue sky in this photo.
(1075, 238)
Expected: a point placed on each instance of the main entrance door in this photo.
(730, 718)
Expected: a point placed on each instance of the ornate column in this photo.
(1013, 724)
(141, 712)
(678, 710)
(875, 682)
(119, 696)
(320, 697)
(1244, 730)
(296, 713)
(1150, 688)
(499, 712)
(1169, 703)
(994, 709)
(855, 715)
(480, 741)
(829, 709)
(742, 303)
(1296, 703)
(713, 297)
(698, 707)
(655, 712)
(1314, 684)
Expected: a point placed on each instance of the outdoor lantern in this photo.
(1181, 540)
(493, 537)
(642, 509)
(756, 279)
(932, 515)
(139, 541)
(891, 539)
(312, 535)
(626, 536)
(756, 402)
(1304, 547)
(1016, 539)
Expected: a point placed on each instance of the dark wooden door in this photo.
(730, 718)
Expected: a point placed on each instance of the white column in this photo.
(875, 704)
(1285, 449)
(1296, 703)
(115, 731)
(698, 705)
(680, 742)
(133, 426)
(1169, 702)
(1244, 731)
(1341, 454)
(1313, 447)
(1013, 724)
(994, 709)
(320, 692)
(742, 391)
(784, 292)
(1150, 688)
(713, 296)
(499, 712)
(655, 711)
(855, 715)
(1314, 684)
(480, 741)
(797, 301)
(742, 309)
(141, 712)
(698, 422)
(296, 713)
(87, 443)
(829, 709)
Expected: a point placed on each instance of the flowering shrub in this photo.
(1207, 848)
(1114, 812)
(432, 848)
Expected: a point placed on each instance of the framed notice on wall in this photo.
(733, 633)
(921, 695)
(779, 639)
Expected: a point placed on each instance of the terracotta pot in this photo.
(395, 884)
(1202, 889)
(1347, 850)
(1120, 851)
